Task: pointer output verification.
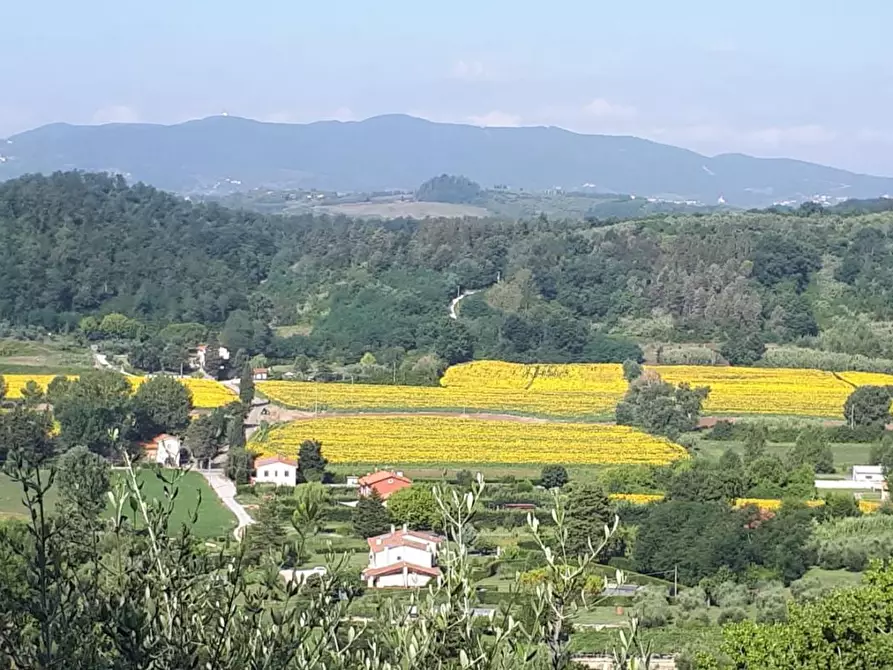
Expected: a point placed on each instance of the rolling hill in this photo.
(399, 152)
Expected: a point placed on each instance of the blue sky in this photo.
(810, 80)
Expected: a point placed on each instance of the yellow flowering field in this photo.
(427, 439)
(361, 397)
(15, 383)
(584, 390)
(637, 498)
(206, 393)
(771, 503)
(733, 390)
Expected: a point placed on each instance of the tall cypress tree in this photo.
(213, 361)
(588, 509)
(246, 385)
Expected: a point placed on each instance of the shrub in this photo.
(731, 615)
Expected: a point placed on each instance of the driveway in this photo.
(226, 491)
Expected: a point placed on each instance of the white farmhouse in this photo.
(164, 449)
(868, 474)
(402, 559)
(276, 470)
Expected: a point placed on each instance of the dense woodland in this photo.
(818, 283)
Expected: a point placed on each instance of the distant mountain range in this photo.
(224, 154)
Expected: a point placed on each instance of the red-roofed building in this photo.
(384, 482)
(276, 470)
(402, 559)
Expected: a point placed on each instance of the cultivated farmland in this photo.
(584, 391)
(206, 393)
(426, 439)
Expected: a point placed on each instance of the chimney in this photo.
(405, 528)
(399, 473)
(393, 528)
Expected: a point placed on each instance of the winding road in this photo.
(226, 491)
(455, 302)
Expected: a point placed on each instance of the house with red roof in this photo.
(402, 559)
(277, 470)
(384, 482)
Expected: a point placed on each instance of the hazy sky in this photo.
(809, 79)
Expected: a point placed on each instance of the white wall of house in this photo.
(381, 558)
(405, 579)
(280, 474)
(168, 453)
(868, 473)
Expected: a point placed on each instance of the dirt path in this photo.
(277, 414)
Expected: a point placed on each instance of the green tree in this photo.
(661, 408)
(812, 448)
(32, 394)
(266, 535)
(868, 406)
(554, 476)
(57, 388)
(370, 517)
(161, 404)
(246, 385)
(235, 434)
(744, 349)
(239, 465)
(203, 438)
(416, 507)
(588, 510)
(850, 628)
(84, 479)
(632, 370)
(2, 387)
(454, 344)
(26, 434)
(95, 411)
(214, 363)
(311, 462)
(449, 188)
(755, 440)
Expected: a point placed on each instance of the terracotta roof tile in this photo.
(274, 460)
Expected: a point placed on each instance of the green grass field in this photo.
(846, 455)
(214, 518)
(43, 358)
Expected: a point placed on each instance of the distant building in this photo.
(402, 559)
(352, 480)
(384, 482)
(260, 374)
(202, 349)
(868, 474)
(165, 450)
(276, 470)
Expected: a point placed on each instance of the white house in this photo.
(276, 470)
(260, 374)
(164, 449)
(868, 474)
(201, 349)
(402, 559)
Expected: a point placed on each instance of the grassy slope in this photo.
(50, 357)
(214, 518)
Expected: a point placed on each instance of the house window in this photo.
(266, 473)
(276, 474)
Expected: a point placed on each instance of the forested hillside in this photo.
(78, 245)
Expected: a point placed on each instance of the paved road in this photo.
(226, 491)
(455, 301)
